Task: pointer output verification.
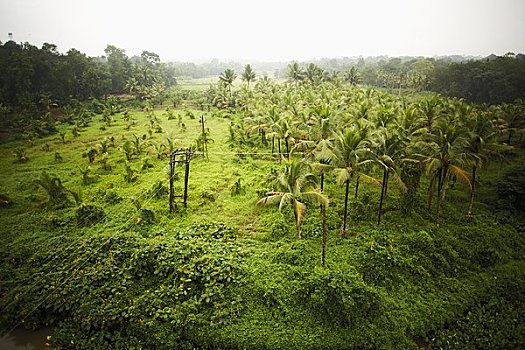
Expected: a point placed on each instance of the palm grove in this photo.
(366, 135)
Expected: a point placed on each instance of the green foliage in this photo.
(112, 197)
(87, 176)
(87, 215)
(341, 297)
(131, 174)
(56, 192)
(208, 195)
(159, 190)
(511, 186)
(20, 155)
(5, 200)
(237, 189)
(396, 285)
(126, 291)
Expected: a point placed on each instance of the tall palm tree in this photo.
(296, 185)
(352, 76)
(295, 73)
(227, 77)
(481, 145)
(314, 74)
(248, 75)
(350, 151)
(445, 156)
(389, 148)
(429, 111)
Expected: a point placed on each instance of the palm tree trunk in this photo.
(343, 230)
(325, 235)
(287, 148)
(441, 193)
(273, 143)
(356, 186)
(263, 137)
(383, 190)
(472, 191)
(279, 148)
(322, 181)
(386, 185)
(297, 227)
(431, 190)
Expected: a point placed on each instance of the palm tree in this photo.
(352, 76)
(296, 184)
(482, 144)
(295, 73)
(227, 77)
(248, 75)
(429, 110)
(350, 151)
(389, 148)
(314, 74)
(444, 157)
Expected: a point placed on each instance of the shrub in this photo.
(56, 192)
(511, 186)
(89, 215)
(112, 197)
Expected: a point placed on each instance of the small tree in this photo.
(296, 185)
(56, 192)
(248, 75)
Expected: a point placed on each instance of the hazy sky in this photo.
(270, 29)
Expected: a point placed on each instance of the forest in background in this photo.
(32, 78)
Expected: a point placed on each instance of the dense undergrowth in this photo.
(88, 247)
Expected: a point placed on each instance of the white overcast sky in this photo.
(270, 30)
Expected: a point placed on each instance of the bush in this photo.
(89, 215)
(511, 186)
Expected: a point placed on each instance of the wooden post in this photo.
(186, 176)
(204, 141)
(172, 190)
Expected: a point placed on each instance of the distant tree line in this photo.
(33, 78)
(492, 80)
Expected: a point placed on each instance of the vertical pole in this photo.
(325, 235)
(204, 143)
(172, 190)
(186, 176)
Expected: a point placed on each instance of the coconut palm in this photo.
(481, 145)
(445, 156)
(352, 76)
(295, 73)
(227, 77)
(314, 74)
(430, 111)
(248, 75)
(350, 152)
(389, 147)
(296, 186)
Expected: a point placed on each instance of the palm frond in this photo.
(316, 197)
(370, 179)
(343, 175)
(299, 209)
(461, 175)
(272, 198)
